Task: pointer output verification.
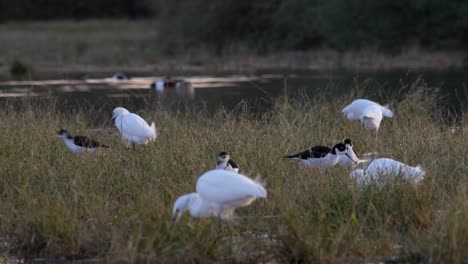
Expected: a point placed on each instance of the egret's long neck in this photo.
(197, 205)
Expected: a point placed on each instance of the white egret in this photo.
(79, 144)
(219, 193)
(383, 168)
(369, 113)
(133, 128)
(192, 202)
(226, 163)
(321, 156)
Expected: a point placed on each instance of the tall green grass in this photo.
(116, 204)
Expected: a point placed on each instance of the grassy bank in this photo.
(115, 45)
(117, 204)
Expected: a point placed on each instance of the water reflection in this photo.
(259, 90)
(177, 87)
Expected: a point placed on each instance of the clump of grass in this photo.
(117, 204)
(19, 70)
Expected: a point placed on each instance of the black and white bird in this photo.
(369, 113)
(321, 156)
(354, 160)
(226, 163)
(79, 144)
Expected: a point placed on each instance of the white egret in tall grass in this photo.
(219, 193)
(321, 156)
(369, 113)
(384, 169)
(226, 163)
(133, 128)
(79, 144)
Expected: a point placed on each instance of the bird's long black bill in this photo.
(351, 158)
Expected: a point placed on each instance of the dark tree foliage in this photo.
(73, 9)
(266, 25)
(392, 24)
(303, 24)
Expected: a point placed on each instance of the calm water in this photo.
(99, 91)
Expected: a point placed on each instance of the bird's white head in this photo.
(223, 157)
(63, 133)
(342, 149)
(119, 111)
(180, 206)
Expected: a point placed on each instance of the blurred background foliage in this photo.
(269, 25)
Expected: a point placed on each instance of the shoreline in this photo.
(316, 60)
(121, 45)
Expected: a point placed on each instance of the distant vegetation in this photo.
(266, 25)
(302, 24)
(74, 9)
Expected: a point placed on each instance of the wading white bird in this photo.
(369, 113)
(79, 144)
(133, 128)
(192, 202)
(226, 163)
(219, 193)
(321, 156)
(384, 168)
(353, 159)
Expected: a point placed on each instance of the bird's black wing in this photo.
(320, 151)
(313, 152)
(85, 142)
(300, 155)
(233, 164)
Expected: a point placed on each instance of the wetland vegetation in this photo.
(116, 205)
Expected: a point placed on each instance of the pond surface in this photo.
(211, 91)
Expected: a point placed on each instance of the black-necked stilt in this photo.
(369, 113)
(353, 159)
(133, 128)
(219, 193)
(79, 144)
(226, 163)
(383, 168)
(321, 156)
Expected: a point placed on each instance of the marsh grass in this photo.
(117, 203)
